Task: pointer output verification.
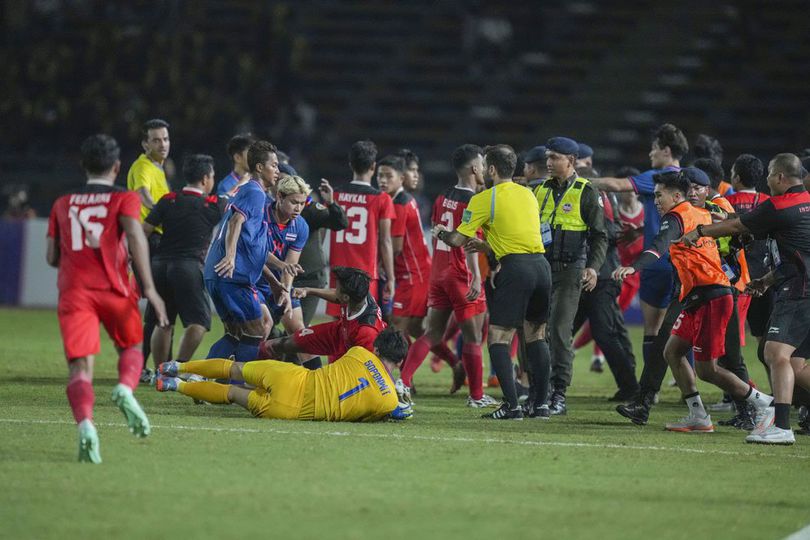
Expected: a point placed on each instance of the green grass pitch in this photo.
(215, 472)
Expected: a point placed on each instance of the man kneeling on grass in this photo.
(356, 388)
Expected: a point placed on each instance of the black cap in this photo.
(563, 145)
(585, 151)
(696, 176)
(287, 169)
(537, 153)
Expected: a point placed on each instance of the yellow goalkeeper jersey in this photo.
(355, 388)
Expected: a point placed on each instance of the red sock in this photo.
(443, 351)
(584, 336)
(81, 397)
(129, 367)
(473, 361)
(416, 355)
(515, 344)
(596, 350)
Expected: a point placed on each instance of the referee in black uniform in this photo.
(510, 217)
(188, 218)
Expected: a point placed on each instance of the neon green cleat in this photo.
(88, 443)
(136, 419)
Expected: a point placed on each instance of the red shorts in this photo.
(334, 338)
(81, 310)
(411, 298)
(705, 328)
(451, 293)
(333, 310)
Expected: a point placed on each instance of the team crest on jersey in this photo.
(290, 236)
(319, 206)
(466, 216)
(567, 207)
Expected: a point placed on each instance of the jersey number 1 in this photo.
(355, 390)
(82, 230)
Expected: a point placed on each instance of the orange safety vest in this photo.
(697, 266)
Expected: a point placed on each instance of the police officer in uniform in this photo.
(573, 232)
(534, 167)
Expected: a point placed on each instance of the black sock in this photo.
(502, 364)
(782, 417)
(539, 359)
(313, 363)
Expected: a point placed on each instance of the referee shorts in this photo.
(180, 283)
(522, 291)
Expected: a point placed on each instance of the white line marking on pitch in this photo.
(802, 534)
(487, 440)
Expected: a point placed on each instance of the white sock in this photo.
(758, 399)
(695, 405)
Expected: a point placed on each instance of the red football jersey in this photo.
(448, 211)
(413, 263)
(362, 328)
(745, 201)
(629, 252)
(92, 248)
(356, 245)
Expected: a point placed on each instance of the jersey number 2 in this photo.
(358, 227)
(82, 230)
(355, 390)
(446, 219)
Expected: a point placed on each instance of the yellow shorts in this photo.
(283, 390)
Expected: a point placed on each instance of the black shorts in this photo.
(522, 291)
(790, 324)
(180, 283)
(759, 312)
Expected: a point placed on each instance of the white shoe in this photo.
(692, 424)
(403, 392)
(772, 435)
(485, 401)
(763, 419)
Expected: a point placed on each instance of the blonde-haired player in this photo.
(358, 387)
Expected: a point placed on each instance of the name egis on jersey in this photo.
(450, 204)
(357, 198)
(90, 198)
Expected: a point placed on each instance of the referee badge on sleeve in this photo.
(466, 216)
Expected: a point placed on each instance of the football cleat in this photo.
(136, 419)
(542, 412)
(557, 403)
(459, 375)
(88, 443)
(598, 363)
(169, 369)
(505, 413)
(804, 421)
(485, 401)
(403, 392)
(147, 376)
(771, 435)
(742, 420)
(403, 411)
(167, 384)
(763, 419)
(691, 424)
(638, 410)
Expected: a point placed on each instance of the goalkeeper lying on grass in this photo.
(357, 387)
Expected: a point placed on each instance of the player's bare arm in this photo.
(139, 249)
(387, 254)
(148, 228)
(475, 279)
(287, 268)
(330, 295)
(728, 227)
(225, 267)
(611, 183)
(52, 253)
(451, 238)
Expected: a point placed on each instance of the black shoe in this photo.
(742, 420)
(542, 412)
(638, 410)
(557, 403)
(459, 376)
(804, 421)
(505, 413)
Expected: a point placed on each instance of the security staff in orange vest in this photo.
(706, 295)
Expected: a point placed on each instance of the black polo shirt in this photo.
(786, 218)
(188, 217)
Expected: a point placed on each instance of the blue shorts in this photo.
(235, 302)
(267, 297)
(656, 287)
